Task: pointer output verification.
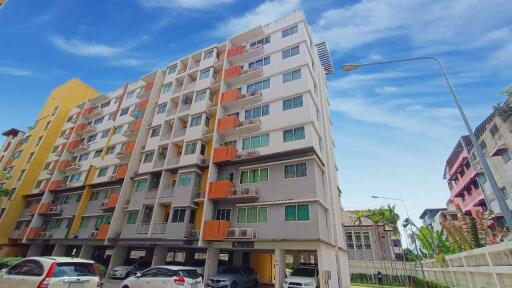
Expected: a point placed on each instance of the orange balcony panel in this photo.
(215, 230)
(103, 232)
(74, 144)
(149, 85)
(88, 110)
(142, 105)
(34, 207)
(81, 127)
(224, 153)
(220, 189)
(232, 72)
(235, 51)
(137, 124)
(112, 200)
(121, 171)
(128, 148)
(45, 207)
(228, 122)
(23, 233)
(55, 184)
(44, 186)
(230, 96)
(33, 232)
(64, 164)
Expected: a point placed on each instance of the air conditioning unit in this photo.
(103, 203)
(41, 235)
(54, 209)
(193, 234)
(233, 233)
(246, 191)
(93, 234)
(234, 191)
(204, 161)
(246, 233)
(112, 177)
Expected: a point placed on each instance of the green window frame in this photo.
(255, 142)
(195, 120)
(94, 196)
(166, 88)
(296, 212)
(84, 222)
(148, 157)
(132, 216)
(200, 95)
(185, 179)
(251, 215)
(295, 170)
(190, 148)
(294, 134)
(102, 172)
(140, 185)
(254, 175)
(117, 130)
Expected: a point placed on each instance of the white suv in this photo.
(303, 275)
(51, 272)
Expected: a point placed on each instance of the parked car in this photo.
(303, 275)
(234, 277)
(123, 272)
(51, 272)
(199, 264)
(165, 277)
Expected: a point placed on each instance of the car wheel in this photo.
(233, 285)
(125, 286)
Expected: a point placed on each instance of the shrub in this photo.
(396, 280)
(102, 270)
(8, 261)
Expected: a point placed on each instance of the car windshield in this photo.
(79, 269)
(189, 273)
(304, 272)
(232, 270)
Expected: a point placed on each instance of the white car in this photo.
(302, 276)
(165, 277)
(51, 272)
(123, 272)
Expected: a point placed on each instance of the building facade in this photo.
(226, 153)
(8, 153)
(432, 217)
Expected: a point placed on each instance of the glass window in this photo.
(140, 185)
(124, 111)
(111, 150)
(254, 175)
(208, 54)
(166, 88)
(223, 214)
(290, 31)
(172, 69)
(155, 131)
(260, 62)
(91, 138)
(28, 267)
(185, 179)
(293, 134)
(148, 157)
(178, 215)
(257, 112)
(84, 222)
(204, 74)
(292, 103)
(104, 133)
(111, 116)
(290, 52)
(118, 129)
(102, 172)
(291, 76)
(98, 120)
(97, 153)
(200, 95)
(190, 148)
(196, 120)
(161, 108)
(260, 42)
(295, 170)
(83, 157)
(130, 94)
(255, 142)
(132, 217)
(299, 212)
(258, 86)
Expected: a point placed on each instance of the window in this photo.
(223, 214)
(208, 54)
(255, 142)
(230, 143)
(111, 116)
(251, 215)
(299, 212)
(258, 86)
(91, 138)
(185, 179)
(47, 166)
(260, 42)
(47, 125)
(178, 215)
(290, 52)
(18, 154)
(200, 96)
(207, 122)
(195, 120)
(38, 184)
(98, 120)
(190, 148)
(257, 112)
(132, 216)
(118, 129)
(172, 69)
(148, 157)
(97, 153)
(39, 140)
(104, 133)
(111, 150)
(161, 108)
(130, 94)
(204, 74)
(140, 185)
(166, 88)
(291, 76)
(293, 134)
(75, 177)
(105, 219)
(55, 223)
(78, 198)
(105, 104)
(295, 170)
(254, 175)
(505, 156)
(22, 172)
(124, 111)
(289, 31)
(494, 130)
(155, 131)
(292, 103)
(28, 267)
(30, 156)
(102, 172)
(83, 157)
(260, 62)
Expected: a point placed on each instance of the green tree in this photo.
(504, 109)
(4, 192)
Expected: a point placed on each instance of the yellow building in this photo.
(35, 148)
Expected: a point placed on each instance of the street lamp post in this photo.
(412, 232)
(505, 210)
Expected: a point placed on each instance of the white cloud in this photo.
(386, 89)
(436, 25)
(13, 71)
(83, 48)
(187, 4)
(263, 14)
(126, 62)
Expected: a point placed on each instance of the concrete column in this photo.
(86, 251)
(118, 257)
(59, 250)
(296, 258)
(159, 256)
(238, 257)
(35, 250)
(212, 260)
(280, 267)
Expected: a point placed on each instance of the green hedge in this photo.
(396, 280)
(8, 261)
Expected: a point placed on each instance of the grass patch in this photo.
(374, 285)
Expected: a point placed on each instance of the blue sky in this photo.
(394, 125)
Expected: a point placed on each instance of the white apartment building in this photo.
(226, 153)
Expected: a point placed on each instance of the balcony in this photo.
(56, 184)
(91, 112)
(468, 177)
(64, 164)
(103, 232)
(248, 154)
(142, 228)
(84, 129)
(159, 228)
(235, 99)
(121, 171)
(127, 151)
(198, 196)
(49, 209)
(220, 189)
(241, 53)
(215, 230)
(133, 129)
(237, 75)
(142, 94)
(230, 125)
(226, 190)
(151, 193)
(33, 232)
(111, 202)
(224, 154)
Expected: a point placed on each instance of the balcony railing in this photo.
(198, 196)
(142, 228)
(159, 228)
(151, 193)
(224, 154)
(215, 230)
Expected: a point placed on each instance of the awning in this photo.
(499, 149)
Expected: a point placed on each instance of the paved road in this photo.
(109, 283)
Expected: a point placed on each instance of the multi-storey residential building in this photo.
(431, 217)
(29, 158)
(8, 153)
(368, 241)
(226, 153)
